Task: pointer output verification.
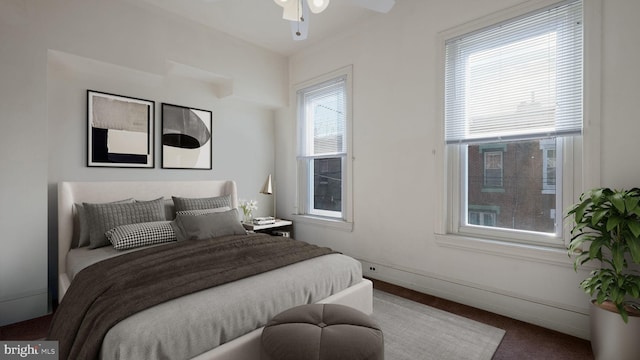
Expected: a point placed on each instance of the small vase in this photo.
(248, 218)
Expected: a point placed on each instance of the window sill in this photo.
(537, 253)
(492, 190)
(324, 222)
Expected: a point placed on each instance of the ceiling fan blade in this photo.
(381, 6)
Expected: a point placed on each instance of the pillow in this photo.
(203, 211)
(182, 204)
(81, 226)
(169, 210)
(135, 235)
(207, 226)
(103, 217)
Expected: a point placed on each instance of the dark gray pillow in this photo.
(81, 227)
(207, 226)
(103, 217)
(182, 204)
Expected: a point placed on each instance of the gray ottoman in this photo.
(323, 332)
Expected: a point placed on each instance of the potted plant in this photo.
(606, 231)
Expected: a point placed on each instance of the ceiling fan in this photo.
(297, 12)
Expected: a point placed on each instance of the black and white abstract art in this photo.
(186, 138)
(120, 131)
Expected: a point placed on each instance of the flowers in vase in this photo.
(247, 207)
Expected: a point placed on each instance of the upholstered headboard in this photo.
(70, 193)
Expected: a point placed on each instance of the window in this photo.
(324, 161)
(483, 216)
(549, 167)
(492, 169)
(512, 106)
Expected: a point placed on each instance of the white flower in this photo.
(248, 206)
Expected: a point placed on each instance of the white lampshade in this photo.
(317, 6)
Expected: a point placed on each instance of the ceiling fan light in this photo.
(317, 6)
(292, 11)
(282, 3)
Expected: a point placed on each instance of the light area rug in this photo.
(414, 331)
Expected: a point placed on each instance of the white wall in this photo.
(395, 66)
(52, 52)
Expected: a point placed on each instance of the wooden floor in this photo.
(522, 341)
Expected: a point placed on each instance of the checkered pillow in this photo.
(203, 211)
(141, 234)
(182, 204)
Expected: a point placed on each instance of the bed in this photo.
(302, 282)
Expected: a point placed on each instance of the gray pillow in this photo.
(81, 227)
(169, 210)
(182, 204)
(207, 226)
(103, 217)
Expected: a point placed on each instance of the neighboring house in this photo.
(512, 186)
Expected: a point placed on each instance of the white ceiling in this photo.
(260, 21)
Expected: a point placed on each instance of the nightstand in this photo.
(278, 228)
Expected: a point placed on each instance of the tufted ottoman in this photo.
(323, 332)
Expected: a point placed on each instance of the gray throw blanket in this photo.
(107, 292)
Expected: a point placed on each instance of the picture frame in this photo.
(120, 131)
(187, 138)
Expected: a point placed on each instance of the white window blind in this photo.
(324, 127)
(520, 79)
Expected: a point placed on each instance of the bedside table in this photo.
(285, 226)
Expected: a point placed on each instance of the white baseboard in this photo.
(25, 307)
(563, 318)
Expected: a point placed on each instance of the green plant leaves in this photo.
(617, 199)
(634, 249)
(613, 221)
(608, 221)
(597, 216)
(634, 226)
(631, 203)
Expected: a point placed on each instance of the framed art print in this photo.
(120, 131)
(186, 138)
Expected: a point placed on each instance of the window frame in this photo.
(303, 212)
(578, 174)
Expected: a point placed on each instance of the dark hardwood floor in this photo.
(33, 329)
(522, 341)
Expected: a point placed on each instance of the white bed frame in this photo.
(359, 296)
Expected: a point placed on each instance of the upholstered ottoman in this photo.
(323, 332)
